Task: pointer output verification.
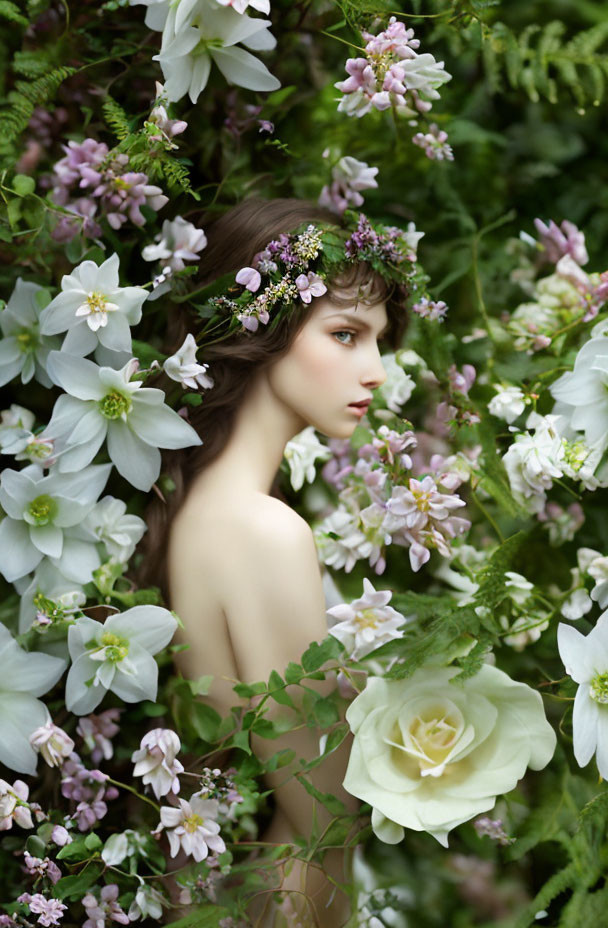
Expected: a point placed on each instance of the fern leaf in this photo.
(12, 12)
(558, 883)
(26, 96)
(116, 118)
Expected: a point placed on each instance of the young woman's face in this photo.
(333, 362)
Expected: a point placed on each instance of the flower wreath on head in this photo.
(294, 267)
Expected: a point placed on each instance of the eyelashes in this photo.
(348, 332)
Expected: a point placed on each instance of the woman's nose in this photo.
(375, 374)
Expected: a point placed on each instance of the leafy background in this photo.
(525, 112)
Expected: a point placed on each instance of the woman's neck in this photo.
(253, 453)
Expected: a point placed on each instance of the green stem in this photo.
(131, 789)
(488, 516)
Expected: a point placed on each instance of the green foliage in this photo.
(116, 118)
(28, 95)
(12, 12)
(540, 63)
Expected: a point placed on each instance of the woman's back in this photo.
(224, 580)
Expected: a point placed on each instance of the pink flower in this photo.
(53, 743)
(156, 763)
(250, 278)
(14, 805)
(61, 836)
(105, 909)
(310, 285)
(42, 867)
(565, 240)
(49, 911)
(97, 732)
(193, 827)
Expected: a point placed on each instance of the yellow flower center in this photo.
(366, 618)
(96, 302)
(192, 823)
(423, 499)
(116, 647)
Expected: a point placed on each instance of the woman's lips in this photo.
(359, 410)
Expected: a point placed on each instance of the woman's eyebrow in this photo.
(358, 320)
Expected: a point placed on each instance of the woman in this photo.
(240, 566)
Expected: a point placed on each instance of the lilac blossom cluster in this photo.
(383, 503)
(366, 243)
(293, 252)
(88, 789)
(49, 911)
(430, 309)
(434, 143)
(111, 190)
(392, 74)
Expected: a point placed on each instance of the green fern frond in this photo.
(116, 118)
(558, 883)
(26, 96)
(12, 12)
(538, 61)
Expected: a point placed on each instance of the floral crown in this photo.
(295, 267)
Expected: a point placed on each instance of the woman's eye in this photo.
(350, 336)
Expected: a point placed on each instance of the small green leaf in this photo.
(294, 673)
(23, 185)
(92, 842)
(316, 655)
(276, 687)
(75, 886)
(240, 739)
(331, 803)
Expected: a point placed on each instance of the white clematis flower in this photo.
(23, 677)
(198, 32)
(178, 241)
(193, 827)
(183, 367)
(367, 622)
(46, 597)
(508, 404)
(41, 516)
(101, 402)
(533, 460)
(94, 309)
(16, 424)
(301, 453)
(116, 656)
(398, 386)
(583, 391)
(586, 661)
(120, 531)
(23, 349)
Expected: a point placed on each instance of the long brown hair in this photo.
(233, 240)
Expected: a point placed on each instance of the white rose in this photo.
(429, 755)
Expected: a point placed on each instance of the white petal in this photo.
(152, 627)
(48, 539)
(161, 427)
(143, 683)
(20, 715)
(18, 556)
(80, 698)
(77, 376)
(136, 461)
(79, 341)
(116, 335)
(241, 68)
(78, 559)
(586, 723)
